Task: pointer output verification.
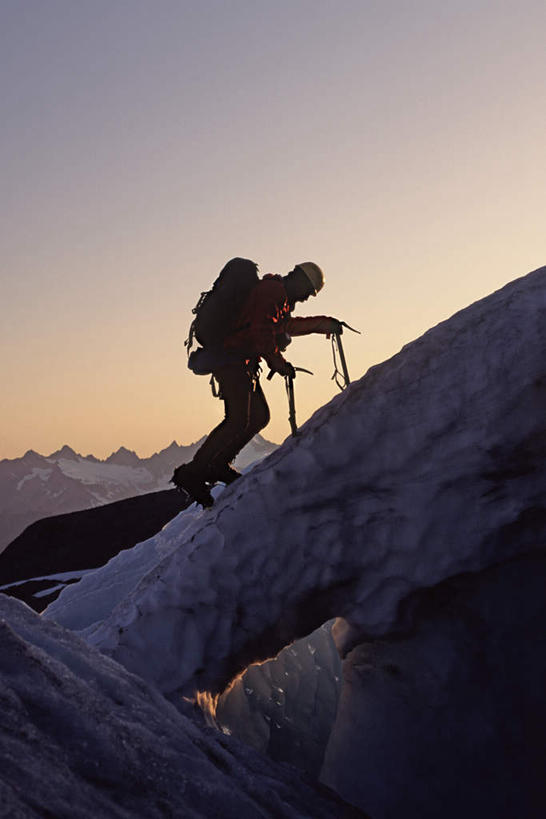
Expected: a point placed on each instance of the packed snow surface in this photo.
(418, 472)
(100, 590)
(81, 738)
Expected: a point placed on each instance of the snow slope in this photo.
(81, 738)
(98, 592)
(420, 471)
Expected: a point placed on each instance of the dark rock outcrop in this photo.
(81, 540)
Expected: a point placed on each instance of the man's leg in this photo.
(258, 418)
(237, 391)
(246, 413)
(210, 464)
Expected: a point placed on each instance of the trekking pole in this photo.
(336, 344)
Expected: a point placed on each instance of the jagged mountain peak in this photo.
(123, 457)
(65, 452)
(31, 457)
(172, 449)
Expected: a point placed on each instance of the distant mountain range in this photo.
(37, 486)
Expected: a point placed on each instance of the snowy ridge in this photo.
(417, 473)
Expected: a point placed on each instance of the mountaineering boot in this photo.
(226, 474)
(187, 478)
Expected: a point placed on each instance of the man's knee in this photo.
(260, 417)
(266, 416)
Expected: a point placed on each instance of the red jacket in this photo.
(265, 321)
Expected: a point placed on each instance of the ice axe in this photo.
(337, 351)
(289, 384)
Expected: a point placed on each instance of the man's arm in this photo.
(303, 326)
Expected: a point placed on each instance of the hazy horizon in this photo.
(399, 145)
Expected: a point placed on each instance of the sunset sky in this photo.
(399, 144)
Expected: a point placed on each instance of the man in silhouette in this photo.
(263, 329)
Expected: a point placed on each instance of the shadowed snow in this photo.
(82, 737)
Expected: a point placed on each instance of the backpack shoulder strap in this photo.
(188, 344)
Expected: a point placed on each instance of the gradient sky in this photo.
(401, 145)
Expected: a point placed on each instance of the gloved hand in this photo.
(285, 368)
(282, 341)
(335, 326)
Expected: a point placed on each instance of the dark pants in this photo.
(246, 413)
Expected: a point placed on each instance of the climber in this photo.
(263, 328)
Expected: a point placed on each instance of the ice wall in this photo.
(286, 707)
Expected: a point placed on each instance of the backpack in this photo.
(218, 309)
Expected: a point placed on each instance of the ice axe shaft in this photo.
(338, 351)
(342, 359)
(289, 381)
(289, 384)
